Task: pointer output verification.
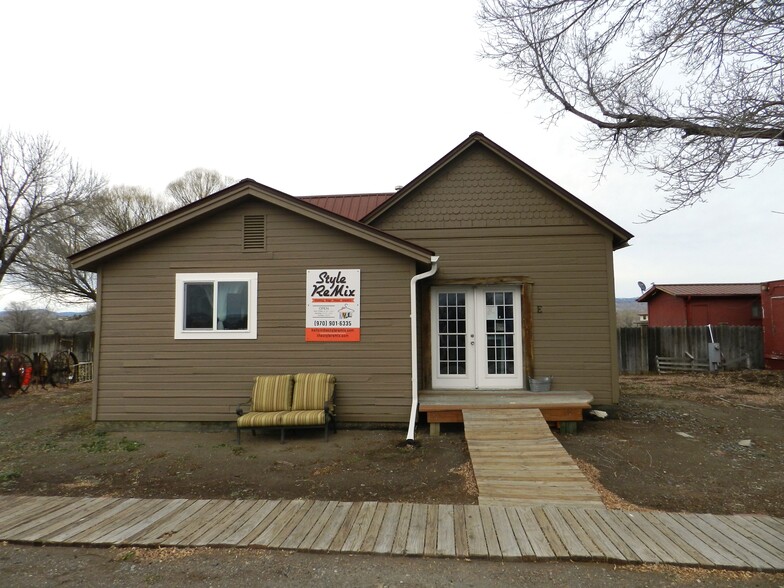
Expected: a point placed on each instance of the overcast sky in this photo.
(314, 97)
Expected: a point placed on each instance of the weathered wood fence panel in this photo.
(81, 344)
(639, 346)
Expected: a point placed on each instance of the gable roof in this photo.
(353, 206)
(620, 235)
(92, 257)
(681, 290)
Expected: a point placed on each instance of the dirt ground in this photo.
(672, 443)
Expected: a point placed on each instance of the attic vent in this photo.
(254, 232)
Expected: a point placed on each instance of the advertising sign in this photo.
(332, 305)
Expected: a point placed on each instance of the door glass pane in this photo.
(451, 333)
(499, 314)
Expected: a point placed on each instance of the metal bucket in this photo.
(542, 384)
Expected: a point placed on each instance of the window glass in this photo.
(216, 306)
(198, 305)
(232, 306)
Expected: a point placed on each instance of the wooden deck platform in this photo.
(752, 542)
(518, 462)
(446, 406)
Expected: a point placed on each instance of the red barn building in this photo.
(690, 305)
(773, 324)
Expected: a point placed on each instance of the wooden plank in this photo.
(309, 518)
(559, 549)
(124, 536)
(507, 541)
(78, 511)
(493, 547)
(415, 542)
(345, 528)
(21, 509)
(401, 533)
(260, 524)
(324, 540)
(750, 551)
(198, 524)
(127, 519)
(169, 525)
(361, 526)
(595, 553)
(758, 533)
(626, 530)
(777, 525)
(110, 509)
(675, 552)
(292, 524)
(32, 521)
(461, 536)
(242, 523)
(523, 543)
(104, 524)
(221, 520)
(375, 527)
(477, 545)
(318, 527)
(693, 553)
(610, 529)
(253, 518)
(517, 461)
(716, 539)
(445, 545)
(539, 543)
(630, 521)
(388, 529)
(610, 552)
(716, 557)
(431, 531)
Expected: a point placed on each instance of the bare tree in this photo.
(692, 90)
(196, 184)
(44, 267)
(41, 189)
(21, 317)
(121, 208)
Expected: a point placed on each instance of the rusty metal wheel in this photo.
(5, 377)
(62, 368)
(21, 368)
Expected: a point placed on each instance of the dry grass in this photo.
(468, 480)
(609, 499)
(760, 389)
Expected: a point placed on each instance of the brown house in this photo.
(478, 273)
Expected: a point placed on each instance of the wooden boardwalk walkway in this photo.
(531, 533)
(518, 462)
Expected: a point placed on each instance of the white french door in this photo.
(476, 334)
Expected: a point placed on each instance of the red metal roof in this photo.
(702, 290)
(352, 206)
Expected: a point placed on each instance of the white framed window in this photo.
(216, 305)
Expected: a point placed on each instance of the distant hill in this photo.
(630, 304)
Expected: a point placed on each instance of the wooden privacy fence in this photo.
(638, 347)
(29, 343)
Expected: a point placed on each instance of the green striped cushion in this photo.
(272, 393)
(260, 419)
(302, 418)
(311, 391)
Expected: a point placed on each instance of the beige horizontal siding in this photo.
(486, 219)
(145, 374)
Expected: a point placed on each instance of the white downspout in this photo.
(414, 351)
